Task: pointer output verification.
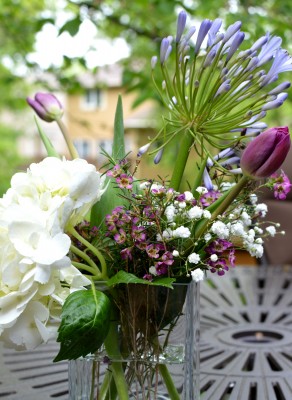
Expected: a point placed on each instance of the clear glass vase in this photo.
(151, 352)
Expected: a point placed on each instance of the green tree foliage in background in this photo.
(141, 23)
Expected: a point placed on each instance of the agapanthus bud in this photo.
(47, 106)
(266, 153)
(181, 23)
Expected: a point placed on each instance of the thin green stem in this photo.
(111, 344)
(70, 145)
(94, 250)
(93, 268)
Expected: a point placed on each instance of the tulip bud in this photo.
(47, 106)
(266, 153)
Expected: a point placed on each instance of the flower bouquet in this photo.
(108, 264)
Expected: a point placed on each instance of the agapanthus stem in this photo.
(70, 145)
(181, 160)
(111, 344)
(171, 389)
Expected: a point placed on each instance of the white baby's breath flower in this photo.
(220, 229)
(262, 209)
(214, 257)
(207, 214)
(201, 190)
(258, 230)
(253, 198)
(271, 230)
(194, 258)
(188, 195)
(237, 229)
(255, 250)
(207, 237)
(197, 275)
(153, 271)
(195, 212)
(170, 212)
(181, 232)
(175, 253)
(167, 233)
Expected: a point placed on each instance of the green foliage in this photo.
(125, 277)
(85, 315)
(9, 158)
(112, 197)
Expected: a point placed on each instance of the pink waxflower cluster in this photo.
(281, 185)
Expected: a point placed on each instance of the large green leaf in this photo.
(125, 277)
(85, 324)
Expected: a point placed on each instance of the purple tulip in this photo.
(266, 153)
(47, 106)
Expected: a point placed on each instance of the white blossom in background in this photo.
(195, 212)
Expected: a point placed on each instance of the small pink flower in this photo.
(120, 237)
(125, 181)
(281, 185)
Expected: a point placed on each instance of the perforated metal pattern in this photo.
(246, 344)
(246, 335)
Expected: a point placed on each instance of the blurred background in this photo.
(88, 52)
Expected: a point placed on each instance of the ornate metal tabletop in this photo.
(246, 343)
(246, 335)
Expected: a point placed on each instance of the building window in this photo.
(92, 99)
(83, 148)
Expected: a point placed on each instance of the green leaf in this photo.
(112, 197)
(85, 324)
(119, 134)
(46, 141)
(125, 277)
(72, 26)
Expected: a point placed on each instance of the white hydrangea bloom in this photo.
(194, 258)
(181, 232)
(220, 229)
(36, 273)
(271, 230)
(197, 275)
